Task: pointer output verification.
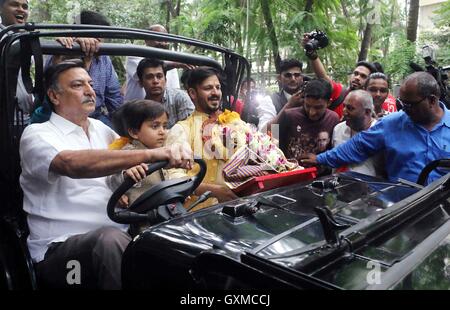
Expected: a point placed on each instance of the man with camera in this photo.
(317, 40)
(290, 79)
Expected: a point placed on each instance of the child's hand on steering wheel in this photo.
(123, 202)
(137, 173)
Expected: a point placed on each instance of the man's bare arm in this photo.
(99, 163)
(319, 69)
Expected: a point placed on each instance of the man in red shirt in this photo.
(378, 86)
(357, 80)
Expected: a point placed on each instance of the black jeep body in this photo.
(377, 235)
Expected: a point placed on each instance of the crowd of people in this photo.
(91, 138)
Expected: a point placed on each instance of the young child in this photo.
(142, 124)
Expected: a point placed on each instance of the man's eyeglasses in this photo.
(408, 104)
(289, 75)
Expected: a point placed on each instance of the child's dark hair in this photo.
(133, 113)
(93, 18)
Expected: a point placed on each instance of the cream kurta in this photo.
(190, 131)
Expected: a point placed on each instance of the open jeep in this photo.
(345, 231)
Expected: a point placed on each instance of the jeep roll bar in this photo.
(235, 66)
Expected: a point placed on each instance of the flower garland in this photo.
(225, 133)
(119, 143)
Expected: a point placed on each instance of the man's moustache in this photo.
(214, 98)
(88, 100)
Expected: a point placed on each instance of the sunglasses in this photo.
(289, 75)
(407, 104)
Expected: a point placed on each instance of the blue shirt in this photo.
(106, 84)
(407, 146)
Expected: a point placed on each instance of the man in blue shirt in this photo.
(409, 139)
(100, 68)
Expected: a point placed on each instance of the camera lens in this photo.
(311, 45)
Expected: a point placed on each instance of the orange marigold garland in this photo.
(118, 144)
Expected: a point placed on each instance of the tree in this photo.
(265, 6)
(371, 18)
(365, 44)
(443, 15)
(413, 20)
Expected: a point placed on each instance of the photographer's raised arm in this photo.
(318, 68)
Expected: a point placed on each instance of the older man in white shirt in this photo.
(65, 162)
(359, 115)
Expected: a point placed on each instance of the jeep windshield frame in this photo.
(369, 233)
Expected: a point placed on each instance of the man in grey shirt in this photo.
(152, 77)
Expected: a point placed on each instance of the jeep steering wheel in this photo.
(424, 174)
(165, 193)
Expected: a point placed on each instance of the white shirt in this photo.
(372, 166)
(267, 111)
(134, 90)
(58, 206)
(24, 99)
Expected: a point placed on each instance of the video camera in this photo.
(438, 72)
(317, 40)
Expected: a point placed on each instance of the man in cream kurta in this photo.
(205, 91)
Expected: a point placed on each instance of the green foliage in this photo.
(443, 12)
(136, 13)
(224, 22)
(440, 39)
(399, 58)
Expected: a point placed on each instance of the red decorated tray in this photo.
(264, 183)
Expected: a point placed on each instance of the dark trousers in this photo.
(89, 261)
